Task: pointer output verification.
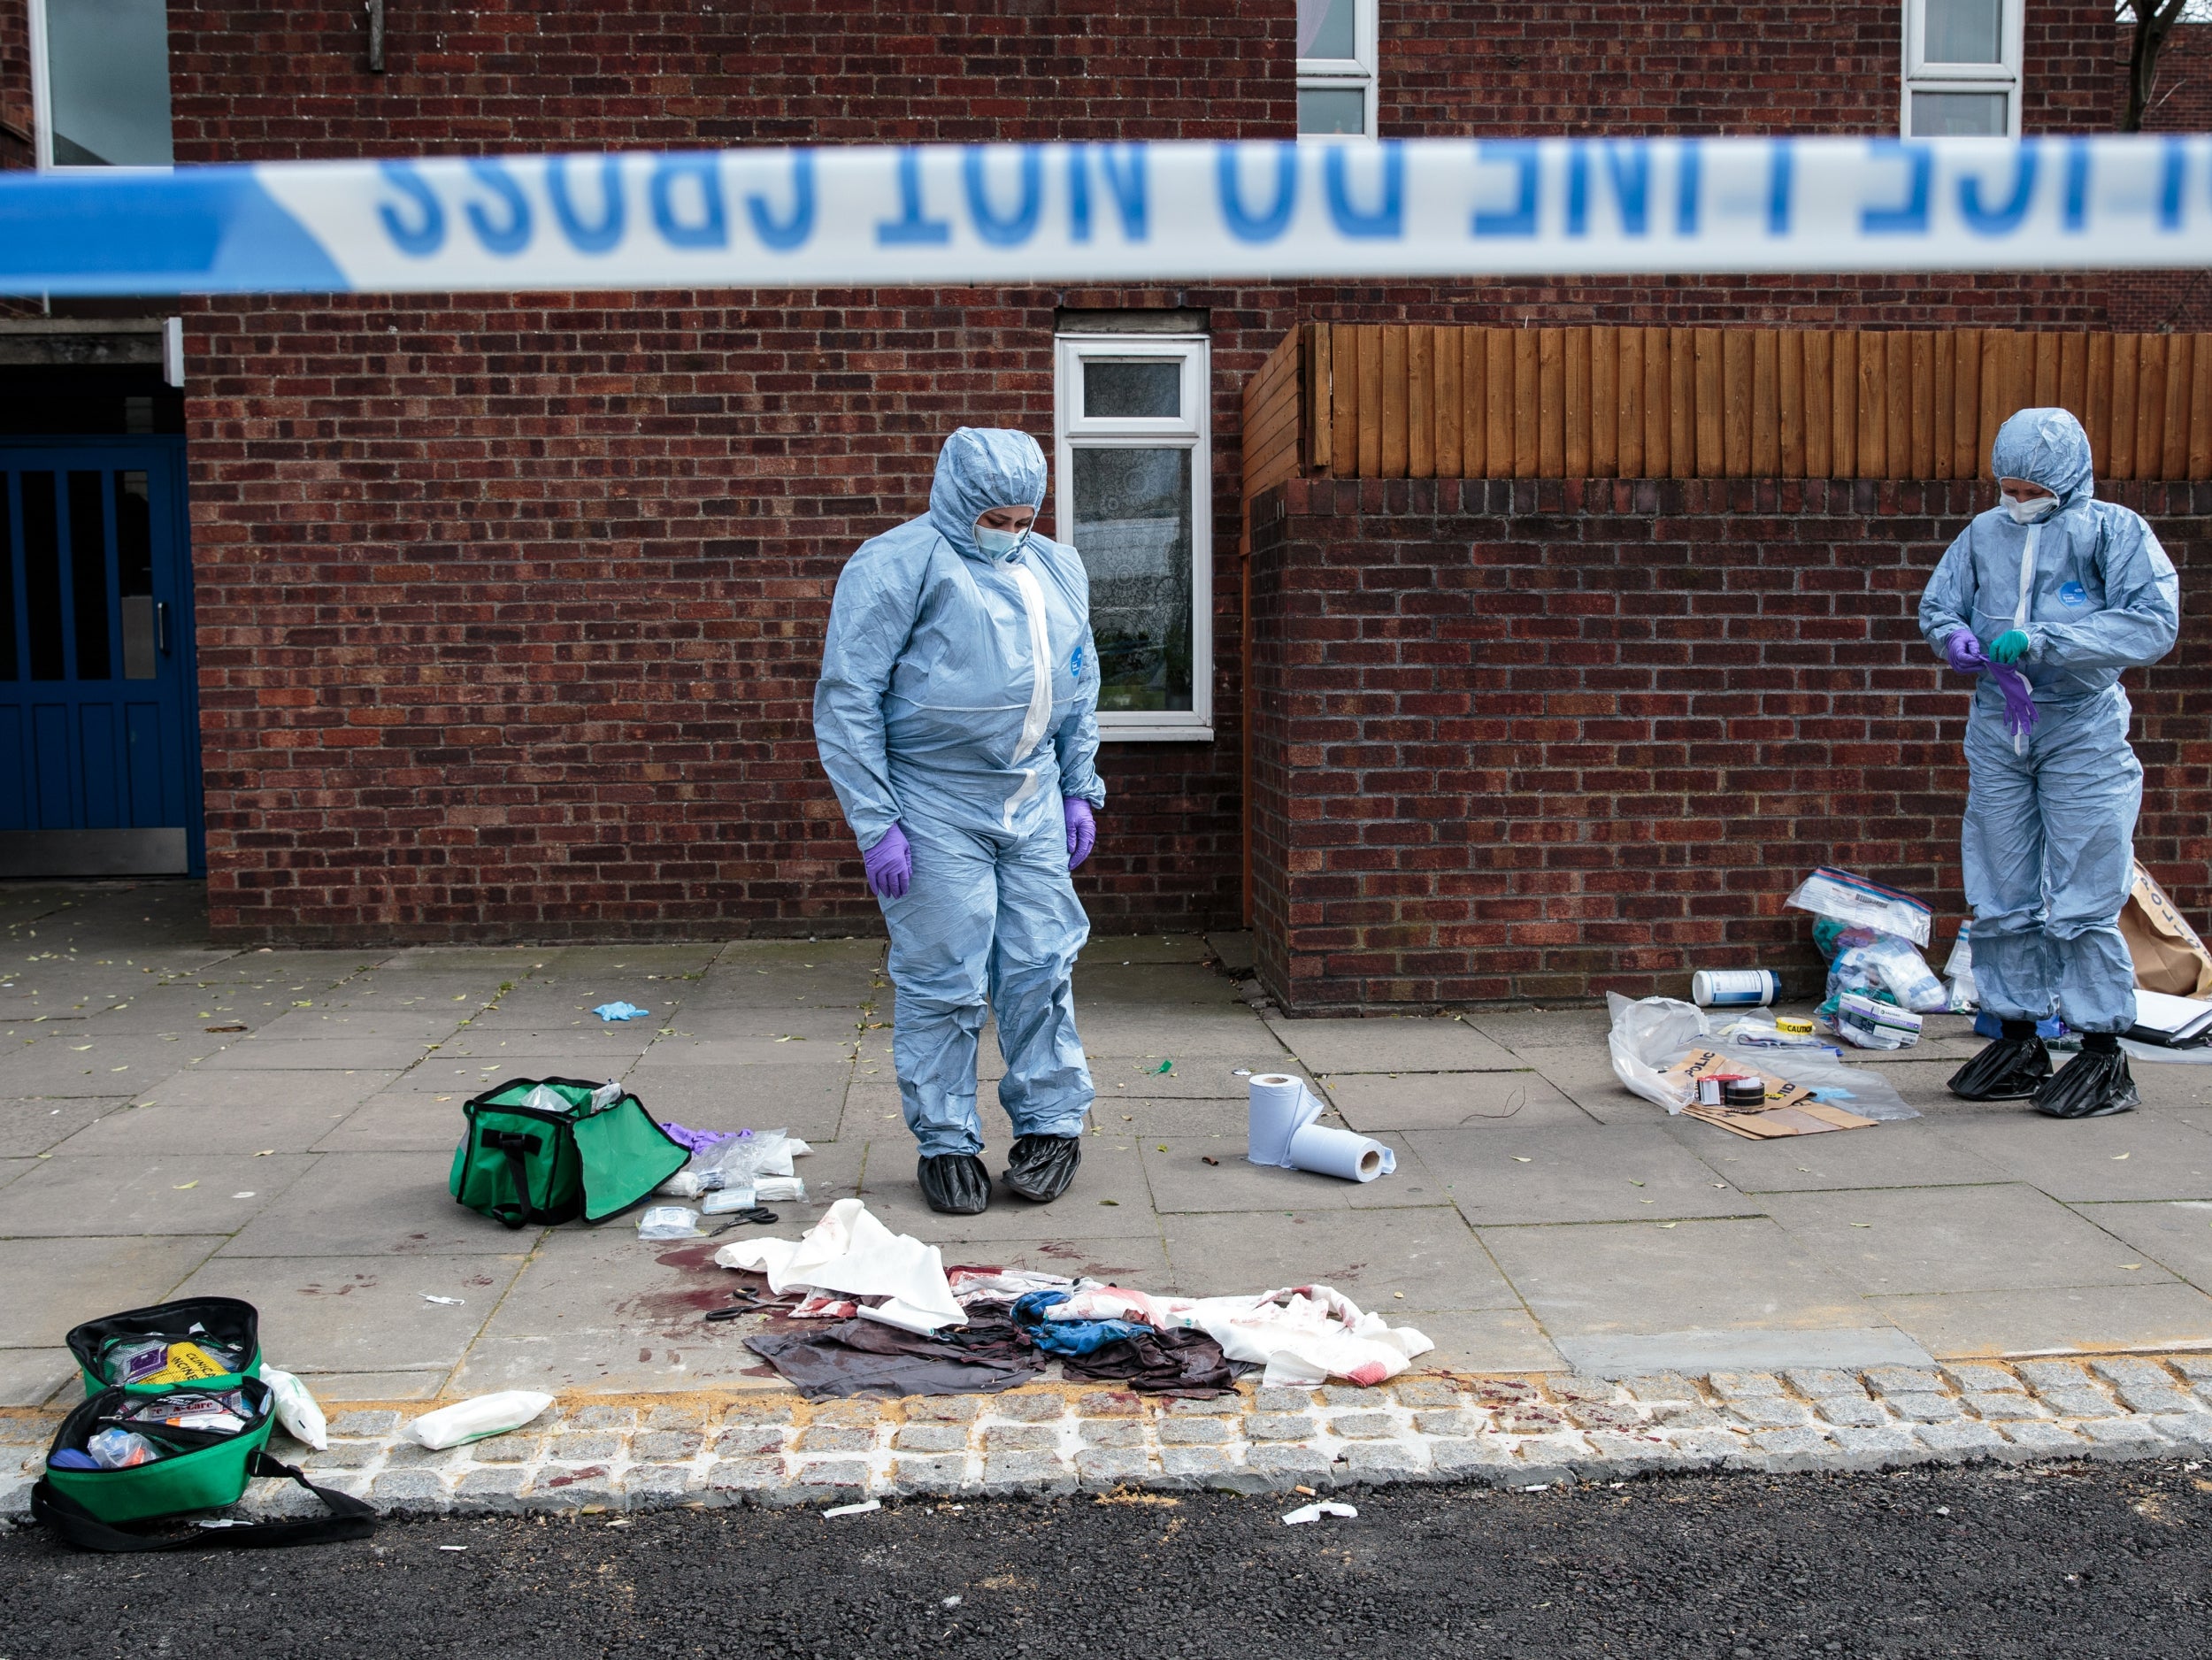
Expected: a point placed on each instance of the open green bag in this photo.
(521, 1164)
(227, 1320)
(207, 1470)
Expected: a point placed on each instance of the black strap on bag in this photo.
(350, 1519)
(514, 1144)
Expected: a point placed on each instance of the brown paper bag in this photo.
(2169, 956)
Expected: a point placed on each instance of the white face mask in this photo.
(2029, 512)
(1000, 544)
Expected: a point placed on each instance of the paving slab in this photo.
(1575, 1173)
(2173, 1234)
(1585, 1076)
(1374, 1101)
(408, 1028)
(1371, 1257)
(1226, 1117)
(303, 1089)
(194, 1193)
(1393, 1043)
(806, 1098)
(596, 1311)
(353, 1315)
(255, 1053)
(91, 1063)
(1650, 1279)
(398, 1121)
(2006, 1237)
(1910, 1153)
(2137, 1155)
(360, 1205)
(29, 1377)
(47, 1285)
(249, 1125)
(2062, 1320)
(39, 1125)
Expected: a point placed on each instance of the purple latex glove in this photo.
(2019, 701)
(1963, 652)
(890, 865)
(1082, 829)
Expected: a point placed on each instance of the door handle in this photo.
(161, 627)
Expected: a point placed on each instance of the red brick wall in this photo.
(1544, 740)
(510, 608)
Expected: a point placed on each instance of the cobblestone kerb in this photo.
(638, 1454)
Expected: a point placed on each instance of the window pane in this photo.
(88, 573)
(42, 574)
(1332, 109)
(1964, 32)
(107, 63)
(1958, 114)
(1148, 388)
(1133, 526)
(1325, 29)
(135, 573)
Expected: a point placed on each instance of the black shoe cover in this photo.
(1041, 1167)
(2093, 1085)
(955, 1184)
(2009, 1069)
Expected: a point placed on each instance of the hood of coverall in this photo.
(2046, 447)
(981, 468)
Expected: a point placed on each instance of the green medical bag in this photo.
(522, 1164)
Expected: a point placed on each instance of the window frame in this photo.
(1362, 71)
(1193, 431)
(2007, 75)
(42, 108)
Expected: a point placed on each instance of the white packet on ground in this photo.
(296, 1409)
(474, 1419)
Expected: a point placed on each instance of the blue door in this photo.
(99, 739)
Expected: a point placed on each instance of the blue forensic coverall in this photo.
(2049, 833)
(959, 701)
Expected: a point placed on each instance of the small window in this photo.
(1962, 69)
(1336, 68)
(100, 82)
(1133, 466)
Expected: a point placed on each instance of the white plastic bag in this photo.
(297, 1411)
(474, 1419)
(1646, 1034)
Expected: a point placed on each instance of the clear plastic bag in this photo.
(669, 1221)
(1855, 900)
(1649, 1035)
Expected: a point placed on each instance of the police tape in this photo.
(1016, 214)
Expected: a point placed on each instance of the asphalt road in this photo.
(2105, 1560)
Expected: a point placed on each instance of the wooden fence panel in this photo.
(1605, 403)
(1503, 355)
(1442, 401)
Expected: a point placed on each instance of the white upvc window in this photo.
(100, 83)
(1961, 68)
(1132, 454)
(1336, 68)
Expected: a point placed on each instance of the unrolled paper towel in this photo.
(1282, 1132)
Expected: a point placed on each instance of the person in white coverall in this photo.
(956, 717)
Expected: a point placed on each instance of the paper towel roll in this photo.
(1328, 1152)
(1281, 1105)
